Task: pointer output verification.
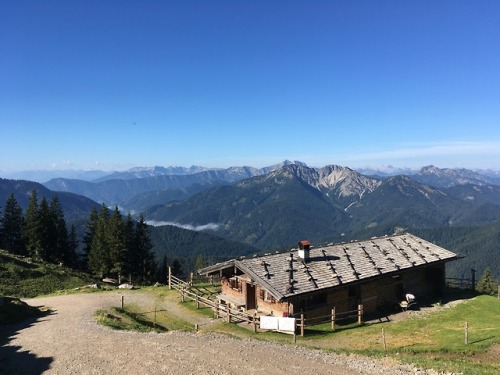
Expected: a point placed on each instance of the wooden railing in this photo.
(234, 315)
(458, 283)
(332, 318)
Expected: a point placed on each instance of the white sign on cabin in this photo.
(274, 323)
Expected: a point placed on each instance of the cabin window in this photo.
(235, 284)
(266, 296)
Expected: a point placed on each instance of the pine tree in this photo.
(162, 271)
(31, 229)
(98, 257)
(487, 284)
(177, 268)
(60, 232)
(11, 224)
(199, 263)
(71, 256)
(116, 242)
(88, 236)
(143, 249)
(129, 238)
(47, 229)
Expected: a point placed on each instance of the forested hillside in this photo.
(480, 246)
(190, 247)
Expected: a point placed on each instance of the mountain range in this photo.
(272, 208)
(329, 203)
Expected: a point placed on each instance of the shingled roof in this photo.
(285, 274)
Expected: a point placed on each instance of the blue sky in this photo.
(116, 84)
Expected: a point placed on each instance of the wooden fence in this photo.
(331, 318)
(233, 315)
(468, 283)
(460, 283)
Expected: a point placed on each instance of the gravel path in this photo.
(70, 342)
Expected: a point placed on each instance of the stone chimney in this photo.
(304, 250)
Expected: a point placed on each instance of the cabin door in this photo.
(250, 297)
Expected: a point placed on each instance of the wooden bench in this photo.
(232, 301)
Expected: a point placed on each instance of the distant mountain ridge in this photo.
(447, 177)
(145, 172)
(118, 188)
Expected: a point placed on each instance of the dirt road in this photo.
(69, 341)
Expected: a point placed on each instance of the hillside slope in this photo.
(23, 278)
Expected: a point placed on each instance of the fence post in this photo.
(360, 314)
(197, 302)
(466, 333)
(228, 309)
(154, 319)
(383, 339)
(122, 301)
(255, 322)
(191, 279)
(169, 277)
(302, 323)
(333, 319)
(217, 309)
(182, 295)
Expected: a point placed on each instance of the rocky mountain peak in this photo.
(346, 181)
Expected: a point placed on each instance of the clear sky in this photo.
(116, 84)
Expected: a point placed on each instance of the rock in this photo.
(126, 286)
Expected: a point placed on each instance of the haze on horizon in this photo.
(115, 85)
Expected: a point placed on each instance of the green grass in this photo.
(23, 278)
(164, 317)
(434, 340)
(119, 319)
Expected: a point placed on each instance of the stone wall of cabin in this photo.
(228, 289)
(268, 304)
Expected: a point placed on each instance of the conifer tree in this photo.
(162, 271)
(199, 262)
(88, 236)
(98, 258)
(71, 257)
(11, 224)
(31, 229)
(117, 244)
(129, 238)
(177, 268)
(47, 229)
(143, 249)
(487, 284)
(60, 232)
